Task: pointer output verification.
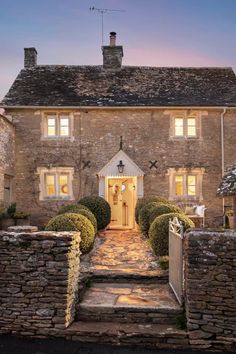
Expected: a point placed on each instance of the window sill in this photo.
(53, 199)
(184, 138)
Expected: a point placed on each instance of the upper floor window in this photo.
(185, 124)
(57, 125)
(56, 183)
(185, 127)
(185, 183)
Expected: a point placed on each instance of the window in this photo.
(56, 183)
(57, 125)
(185, 183)
(185, 127)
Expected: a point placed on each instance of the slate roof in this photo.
(228, 184)
(131, 86)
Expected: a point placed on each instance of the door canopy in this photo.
(130, 168)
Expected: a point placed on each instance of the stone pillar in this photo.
(38, 281)
(210, 286)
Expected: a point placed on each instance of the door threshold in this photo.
(120, 228)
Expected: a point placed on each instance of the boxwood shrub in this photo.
(141, 202)
(89, 215)
(144, 215)
(161, 208)
(74, 222)
(100, 208)
(159, 232)
(72, 208)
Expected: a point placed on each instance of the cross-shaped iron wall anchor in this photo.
(86, 164)
(153, 164)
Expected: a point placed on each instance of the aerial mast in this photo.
(102, 12)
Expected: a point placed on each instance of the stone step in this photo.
(159, 277)
(129, 303)
(147, 335)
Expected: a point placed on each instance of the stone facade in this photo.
(96, 134)
(7, 146)
(39, 281)
(210, 281)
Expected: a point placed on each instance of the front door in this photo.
(121, 197)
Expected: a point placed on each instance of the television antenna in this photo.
(102, 12)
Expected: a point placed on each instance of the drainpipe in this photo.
(223, 156)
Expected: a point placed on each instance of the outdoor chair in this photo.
(193, 211)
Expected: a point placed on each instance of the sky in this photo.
(152, 32)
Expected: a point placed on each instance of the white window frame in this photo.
(56, 171)
(185, 172)
(58, 116)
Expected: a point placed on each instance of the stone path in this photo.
(123, 253)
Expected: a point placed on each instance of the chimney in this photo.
(112, 54)
(30, 59)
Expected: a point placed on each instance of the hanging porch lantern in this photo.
(121, 167)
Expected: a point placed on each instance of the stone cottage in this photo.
(178, 129)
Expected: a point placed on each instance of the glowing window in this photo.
(179, 127)
(191, 185)
(63, 184)
(64, 126)
(51, 126)
(191, 127)
(50, 185)
(178, 185)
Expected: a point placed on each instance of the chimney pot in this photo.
(112, 39)
(30, 59)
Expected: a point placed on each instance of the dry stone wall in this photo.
(210, 272)
(39, 275)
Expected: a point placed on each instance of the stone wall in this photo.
(146, 136)
(7, 146)
(39, 275)
(210, 271)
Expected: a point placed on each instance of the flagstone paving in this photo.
(123, 252)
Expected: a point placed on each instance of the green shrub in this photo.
(89, 215)
(74, 222)
(100, 208)
(11, 210)
(144, 214)
(72, 208)
(159, 231)
(161, 209)
(141, 202)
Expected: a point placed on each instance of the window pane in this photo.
(64, 126)
(63, 181)
(191, 185)
(191, 126)
(51, 122)
(179, 128)
(50, 185)
(179, 185)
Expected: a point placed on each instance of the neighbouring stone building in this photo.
(177, 125)
(7, 145)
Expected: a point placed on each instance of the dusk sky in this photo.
(153, 32)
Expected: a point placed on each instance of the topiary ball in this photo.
(72, 208)
(89, 215)
(159, 232)
(141, 202)
(100, 208)
(74, 222)
(144, 215)
(161, 208)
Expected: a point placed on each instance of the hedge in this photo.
(161, 209)
(144, 215)
(159, 232)
(100, 208)
(141, 202)
(74, 222)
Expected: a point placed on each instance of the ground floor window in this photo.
(56, 183)
(185, 183)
